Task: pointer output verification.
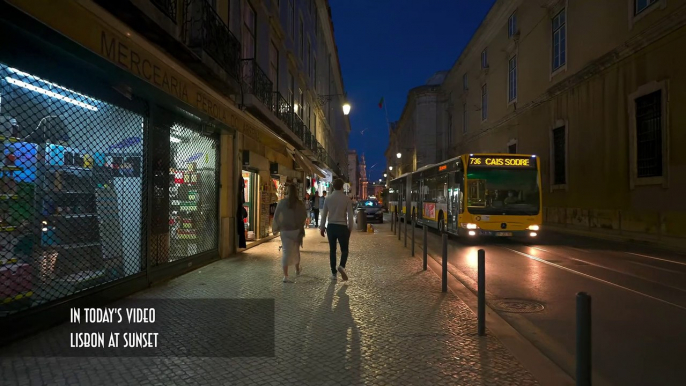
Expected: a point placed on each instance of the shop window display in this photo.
(192, 192)
(70, 191)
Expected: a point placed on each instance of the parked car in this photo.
(373, 209)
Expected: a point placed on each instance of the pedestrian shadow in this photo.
(333, 342)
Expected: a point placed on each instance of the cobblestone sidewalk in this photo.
(388, 325)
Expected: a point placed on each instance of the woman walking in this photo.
(289, 218)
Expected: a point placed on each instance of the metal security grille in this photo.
(71, 204)
(559, 157)
(649, 135)
(193, 222)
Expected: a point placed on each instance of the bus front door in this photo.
(453, 191)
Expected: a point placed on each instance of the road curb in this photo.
(538, 364)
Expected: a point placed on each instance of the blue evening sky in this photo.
(387, 47)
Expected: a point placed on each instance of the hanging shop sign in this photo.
(81, 25)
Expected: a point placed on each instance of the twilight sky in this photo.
(387, 47)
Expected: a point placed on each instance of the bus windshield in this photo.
(503, 192)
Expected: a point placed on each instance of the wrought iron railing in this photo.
(307, 137)
(281, 108)
(167, 7)
(205, 30)
(257, 81)
(298, 126)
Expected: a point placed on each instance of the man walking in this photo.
(338, 210)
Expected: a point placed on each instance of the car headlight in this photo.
(534, 227)
(469, 225)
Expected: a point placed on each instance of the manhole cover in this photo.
(517, 306)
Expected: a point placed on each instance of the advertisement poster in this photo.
(246, 180)
(430, 210)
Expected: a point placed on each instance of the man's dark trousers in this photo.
(340, 233)
(316, 216)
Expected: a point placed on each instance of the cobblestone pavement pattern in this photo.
(388, 325)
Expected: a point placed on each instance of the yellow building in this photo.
(128, 129)
(593, 88)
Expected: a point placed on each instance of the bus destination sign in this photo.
(502, 161)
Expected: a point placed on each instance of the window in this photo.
(642, 5)
(465, 85)
(512, 80)
(512, 148)
(450, 129)
(302, 40)
(512, 25)
(559, 156)
(484, 102)
(249, 38)
(464, 118)
(274, 66)
(559, 40)
(649, 135)
(314, 73)
(301, 99)
(309, 58)
(291, 87)
(484, 58)
(291, 17)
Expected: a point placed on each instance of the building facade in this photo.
(590, 87)
(422, 135)
(362, 185)
(353, 172)
(142, 139)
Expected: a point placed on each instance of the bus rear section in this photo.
(503, 196)
(396, 194)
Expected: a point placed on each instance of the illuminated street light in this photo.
(346, 108)
(385, 175)
(390, 168)
(398, 155)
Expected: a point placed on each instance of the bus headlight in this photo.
(472, 233)
(533, 234)
(534, 227)
(469, 225)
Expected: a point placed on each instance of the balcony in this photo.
(167, 7)
(281, 108)
(257, 82)
(298, 127)
(206, 35)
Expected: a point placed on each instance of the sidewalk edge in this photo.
(539, 365)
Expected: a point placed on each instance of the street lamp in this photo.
(398, 155)
(324, 99)
(390, 168)
(385, 175)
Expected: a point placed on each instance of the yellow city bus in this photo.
(481, 195)
(397, 195)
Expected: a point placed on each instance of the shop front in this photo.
(264, 180)
(102, 192)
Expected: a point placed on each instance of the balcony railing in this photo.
(205, 30)
(257, 81)
(307, 139)
(281, 108)
(167, 7)
(298, 126)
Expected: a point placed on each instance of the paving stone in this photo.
(388, 325)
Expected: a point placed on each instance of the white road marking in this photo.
(652, 266)
(656, 258)
(594, 278)
(579, 249)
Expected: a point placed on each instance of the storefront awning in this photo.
(308, 165)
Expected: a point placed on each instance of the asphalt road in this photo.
(638, 300)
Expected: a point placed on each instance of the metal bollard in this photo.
(398, 226)
(405, 232)
(583, 339)
(481, 312)
(392, 221)
(426, 248)
(413, 226)
(444, 273)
